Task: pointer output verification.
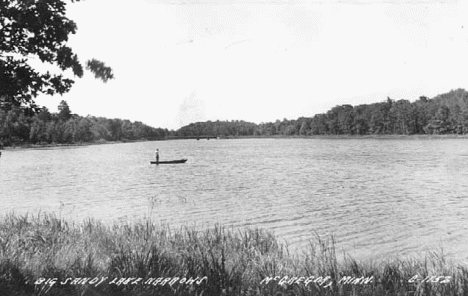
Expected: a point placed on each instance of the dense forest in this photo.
(444, 114)
(17, 126)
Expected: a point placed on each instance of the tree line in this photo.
(17, 126)
(444, 114)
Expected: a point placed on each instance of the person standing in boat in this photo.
(157, 156)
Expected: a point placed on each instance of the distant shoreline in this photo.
(204, 138)
(58, 145)
(415, 136)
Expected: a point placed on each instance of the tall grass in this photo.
(226, 262)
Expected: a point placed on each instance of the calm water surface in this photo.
(379, 197)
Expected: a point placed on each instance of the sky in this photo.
(183, 61)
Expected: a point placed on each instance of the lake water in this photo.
(379, 197)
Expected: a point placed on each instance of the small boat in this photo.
(170, 161)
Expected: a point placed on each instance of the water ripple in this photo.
(378, 197)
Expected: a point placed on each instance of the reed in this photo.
(222, 261)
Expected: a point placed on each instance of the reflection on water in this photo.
(379, 197)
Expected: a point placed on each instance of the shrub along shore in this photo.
(44, 255)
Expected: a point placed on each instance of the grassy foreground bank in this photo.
(44, 255)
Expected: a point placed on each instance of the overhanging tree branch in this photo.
(38, 29)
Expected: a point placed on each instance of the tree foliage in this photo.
(217, 128)
(64, 127)
(64, 113)
(100, 70)
(444, 114)
(37, 29)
